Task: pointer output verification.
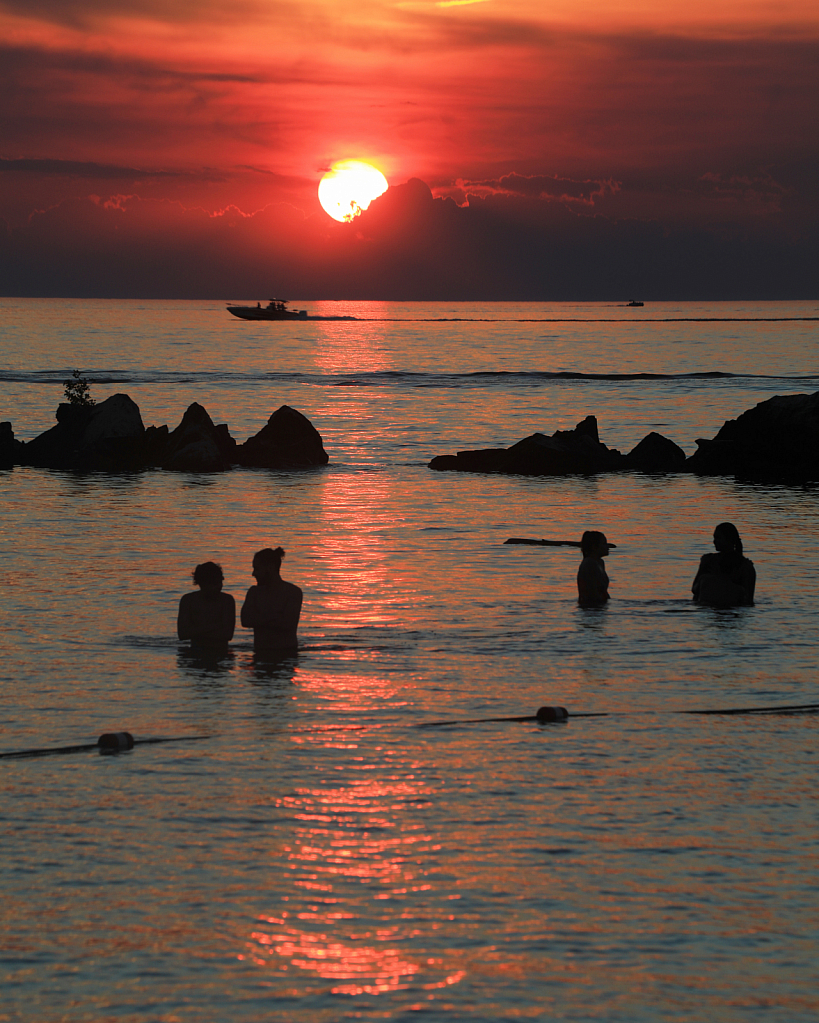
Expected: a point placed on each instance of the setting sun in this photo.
(349, 187)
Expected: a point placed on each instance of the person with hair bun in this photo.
(207, 617)
(592, 580)
(272, 607)
(727, 578)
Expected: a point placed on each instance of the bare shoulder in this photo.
(191, 603)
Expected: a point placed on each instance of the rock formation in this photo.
(566, 451)
(9, 447)
(289, 441)
(778, 439)
(196, 445)
(104, 437)
(110, 437)
(656, 453)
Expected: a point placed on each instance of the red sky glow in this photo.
(544, 125)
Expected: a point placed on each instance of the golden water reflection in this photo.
(355, 694)
(365, 587)
(350, 347)
(356, 842)
(355, 965)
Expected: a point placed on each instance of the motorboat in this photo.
(276, 309)
(634, 304)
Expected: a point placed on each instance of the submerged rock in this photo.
(564, 452)
(778, 439)
(289, 441)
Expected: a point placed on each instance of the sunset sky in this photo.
(553, 150)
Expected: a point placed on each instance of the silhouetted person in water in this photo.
(592, 581)
(207, 617)
(272, 607)
(727, 578)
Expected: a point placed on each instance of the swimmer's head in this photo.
(267, 562)
(208, 574)
(727, 539)
(592, 542)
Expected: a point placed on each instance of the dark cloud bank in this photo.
(513, 241)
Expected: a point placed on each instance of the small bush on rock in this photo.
(77, 390)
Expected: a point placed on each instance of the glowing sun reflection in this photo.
(368, 592)
(345, 347)
(341, 852)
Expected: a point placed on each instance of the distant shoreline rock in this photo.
(776, 441)
(111, 437)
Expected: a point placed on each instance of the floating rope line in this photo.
(118, 742)
(109, 742)
(795, 708)
(549, 715)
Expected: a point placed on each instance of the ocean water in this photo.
(306, 852)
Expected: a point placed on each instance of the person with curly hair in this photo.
(207, 617)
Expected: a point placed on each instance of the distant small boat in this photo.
(276, 309)
(635, 304)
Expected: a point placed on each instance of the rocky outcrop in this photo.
(289, 441)
(656, 453)
(197, 445)
(9, 447)
(776, 440)
(104, 437)
(564, 452)
(110, 437)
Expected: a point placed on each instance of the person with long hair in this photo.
(207, 617)
(592, 580)
(272, 607)
(727, 578)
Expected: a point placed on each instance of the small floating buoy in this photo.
(552, 714)
(113, 742)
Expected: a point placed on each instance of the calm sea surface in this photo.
(320, 858)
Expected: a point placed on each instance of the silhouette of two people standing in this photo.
(272, 608)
